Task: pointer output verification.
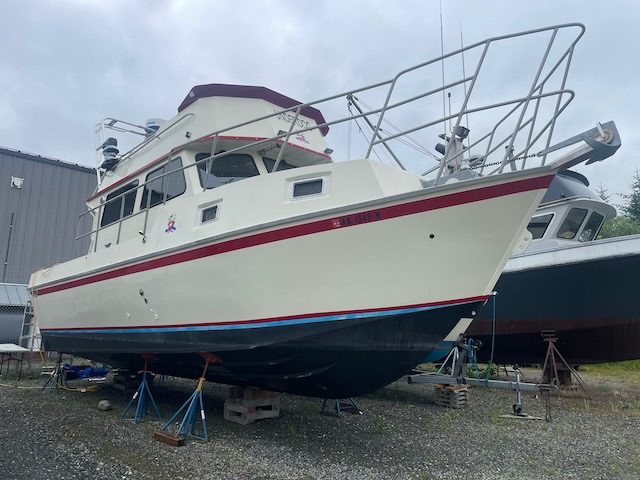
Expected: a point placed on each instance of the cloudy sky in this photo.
(67, 64)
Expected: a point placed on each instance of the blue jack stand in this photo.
(343, 405)
(188, 426)
(143, 395)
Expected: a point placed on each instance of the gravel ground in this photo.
(402, 434)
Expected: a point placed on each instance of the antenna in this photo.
(444, 100)
(464, 86)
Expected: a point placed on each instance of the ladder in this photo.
(28, 334)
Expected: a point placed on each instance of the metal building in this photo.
(40, 201)
(13, 301)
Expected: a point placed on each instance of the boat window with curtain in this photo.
(225, 169)
(572, 223)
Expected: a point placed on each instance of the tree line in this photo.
(628, 220)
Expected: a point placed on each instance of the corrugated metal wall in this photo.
(39, 212)
(13, 300)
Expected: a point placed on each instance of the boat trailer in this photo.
(461, 357)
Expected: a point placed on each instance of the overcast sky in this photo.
(67, 64)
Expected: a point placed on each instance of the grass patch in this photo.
(628, 371)
(427, 367)
(379, 424)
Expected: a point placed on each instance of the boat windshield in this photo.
(538, 225)
(572, 223)
(592, 227)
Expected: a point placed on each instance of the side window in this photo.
(114, 204)
(209, 214)
(308, 188)
(538, 225)
(592, 227)
(283, 165)
(158, 184)
(572, 223)
(226, 169)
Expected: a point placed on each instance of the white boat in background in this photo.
(229, 229)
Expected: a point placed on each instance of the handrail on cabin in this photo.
(521, 118)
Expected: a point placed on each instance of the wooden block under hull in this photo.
(452, 396)
(245, 406)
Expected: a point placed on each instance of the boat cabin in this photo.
(222, 134)
(570, 212)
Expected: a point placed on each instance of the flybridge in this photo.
(259, 93)
(222, 112)
(480, 137)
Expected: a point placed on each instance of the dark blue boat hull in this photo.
(342, 359)
(594, 306)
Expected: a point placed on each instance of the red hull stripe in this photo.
(385, 213)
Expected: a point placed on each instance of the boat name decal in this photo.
(357, 219)
(290, 117)
(171, 226)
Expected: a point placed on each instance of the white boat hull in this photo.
(395, 278)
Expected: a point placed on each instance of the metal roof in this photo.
(14, 294)
(46, 160)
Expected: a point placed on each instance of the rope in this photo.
(36, 336)
(57, 380)
(410, 142)
(493, 337)
(473, 358)
(16, 386)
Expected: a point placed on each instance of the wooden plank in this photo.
(169, 439)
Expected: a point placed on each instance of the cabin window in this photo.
(209, 214)
(113, 206)
(572, 223)
(538, 225)
(167, 181)
(225, 169)
(308, 187)
(592, 227)
(283, 165)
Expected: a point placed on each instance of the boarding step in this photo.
(246, 405)
(452, 396)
